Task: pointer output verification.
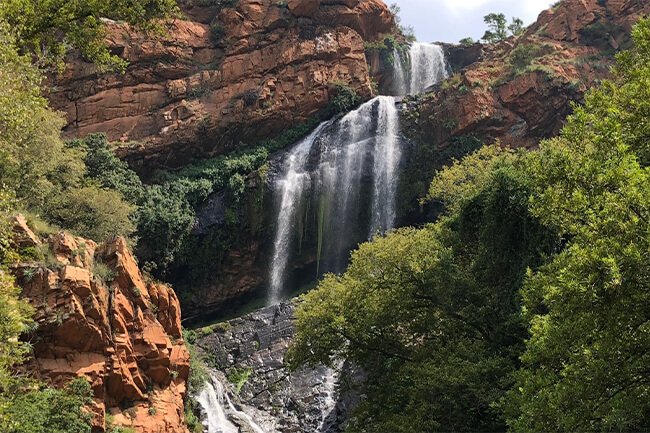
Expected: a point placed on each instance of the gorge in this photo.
(253, 151)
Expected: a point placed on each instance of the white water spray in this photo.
(329, 168)
(292, 186)
(215, 402)
(427, 67)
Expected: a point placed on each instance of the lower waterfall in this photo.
(326, 173)
(215, 402)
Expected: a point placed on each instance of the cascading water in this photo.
(427, 67)
(215, 402)
(325, 177)
(292, 186)
(329, 168)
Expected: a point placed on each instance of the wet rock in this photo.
(305, 401)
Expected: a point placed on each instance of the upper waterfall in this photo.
(426, 67)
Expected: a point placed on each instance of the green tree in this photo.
(467, 41)
(49, 28)
(433, 315)
(497, 31)
(91, 212)
(585, 365)
(48, 410)
(516, 28)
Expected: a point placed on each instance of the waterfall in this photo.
(386, 161)
(215, 402)
(399, 80)
(330, 166)
(427, 67)
(292, 186)
(323, 180)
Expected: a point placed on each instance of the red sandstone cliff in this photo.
(188, 96)
(575, 43)
(97, 317)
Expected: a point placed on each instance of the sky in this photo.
(452, 20)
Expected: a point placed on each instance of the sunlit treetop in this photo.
(49, 28)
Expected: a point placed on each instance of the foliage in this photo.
(91, 212)
(240, 377)
(48, 177)
(467, 41)
(106, 169)
(406, 31)
(497, 31)
(516, 28)
(585, 362)
(345, 100)
(47, 410)
(49, 28)
(457, 183)
(432, 315)
(217, 32)
(522, 56)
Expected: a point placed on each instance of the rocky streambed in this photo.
(248, 352)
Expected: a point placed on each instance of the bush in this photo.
(103, 166)
(522, 56)
(91, 212)
(240, 377)
(345, 100)
(217, 32)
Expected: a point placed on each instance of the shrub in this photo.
(91, 212)
(449, 125)
(217, 32)
(251, 96)
(522, 56)
(240, 377)
(345, 99)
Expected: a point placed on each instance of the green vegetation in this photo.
(240, 377)
(386, 49)
(498, 28)
(49, 28)
(406, 31)
(524, 307)
(48, 410)
(522, 56)
(79, 186)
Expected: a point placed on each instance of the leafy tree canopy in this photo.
(49, 28)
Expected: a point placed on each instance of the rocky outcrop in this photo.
(494, 101)
(309, 400)
(259, 68)
(97, 317)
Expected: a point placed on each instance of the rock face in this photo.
(490, 100)
(261, 67)
(307, 401)
(98, 318)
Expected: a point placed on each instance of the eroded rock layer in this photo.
(97, 317)
(519, 102)
(221, 77)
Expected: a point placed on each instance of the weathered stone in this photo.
(109, 335)
(23, 236)
(183, 89)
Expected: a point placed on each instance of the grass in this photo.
(240, 377)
